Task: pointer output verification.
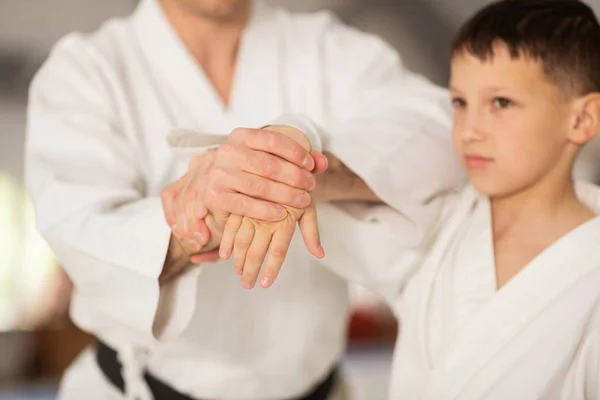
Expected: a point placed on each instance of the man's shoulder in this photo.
(326, 26)
(301, 28)
(101, 48)
(321, 18)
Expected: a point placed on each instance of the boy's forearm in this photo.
(340, 183)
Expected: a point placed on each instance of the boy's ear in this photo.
(586, 119)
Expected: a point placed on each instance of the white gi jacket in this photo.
(97, 159)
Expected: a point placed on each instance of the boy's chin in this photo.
(489, 188)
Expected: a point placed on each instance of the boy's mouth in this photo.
(474, 161)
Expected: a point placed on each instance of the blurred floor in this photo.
(367, 367)
(41, 392)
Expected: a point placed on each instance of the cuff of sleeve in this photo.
(166, 311)
(387, 218)
(176, 305)
(367, 252)
(361, 251)
(147, 244)
(303, 124)
(186, 144)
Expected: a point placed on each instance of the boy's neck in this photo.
(533, 209)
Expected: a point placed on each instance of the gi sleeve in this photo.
(86, 179)
(388, 125)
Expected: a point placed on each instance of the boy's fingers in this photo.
(280, 244)
(241, 243)
(232, 226)
(255, 256)
(309, 227)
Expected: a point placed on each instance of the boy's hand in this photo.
(249, 240)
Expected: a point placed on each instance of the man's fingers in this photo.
(232, 226)
(242, 242)
(202, 235)
(265, 189)
(275, 143)
(201, 163)
(201, 210)
(193, 210)
(255, 256)
(279, 170)
(309, 228)
(321, 162)
(183, 228)
(241, 204)
(191, 225)
(194, 228)
(167, 199)
(182, 203)
(210, 256)
(278, 249)
(180, 223)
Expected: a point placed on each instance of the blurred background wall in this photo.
(419, 29)
(36, 339)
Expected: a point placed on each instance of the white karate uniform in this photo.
(97, 159)
(537, 337)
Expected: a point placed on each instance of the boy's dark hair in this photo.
(563, 35)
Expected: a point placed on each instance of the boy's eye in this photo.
(502, 102)
(457, 102)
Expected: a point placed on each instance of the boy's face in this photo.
(510, 122)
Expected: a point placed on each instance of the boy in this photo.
(503, 301)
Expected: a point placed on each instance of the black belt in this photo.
(111, 367)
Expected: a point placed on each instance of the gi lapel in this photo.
(513, 307)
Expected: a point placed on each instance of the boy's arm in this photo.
(339, 183)
(369, 253)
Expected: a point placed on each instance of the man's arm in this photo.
(86, 181)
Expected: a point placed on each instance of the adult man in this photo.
(97, 161)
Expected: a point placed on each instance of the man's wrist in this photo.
(178, 255)
(293, 133)
(175, 261)
(304, 125)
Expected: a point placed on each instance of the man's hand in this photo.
(183, 251)
(178, 259)
(255, 173)
(183, 205)
(190, 232)
(250, 239)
